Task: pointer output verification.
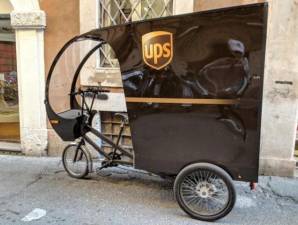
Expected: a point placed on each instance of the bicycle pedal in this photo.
(103, 165)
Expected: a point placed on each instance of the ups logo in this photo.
(157, 49)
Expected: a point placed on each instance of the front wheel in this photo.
(75, 161)
(205, 191)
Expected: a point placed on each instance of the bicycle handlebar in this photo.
(96, 90)
(90, 90)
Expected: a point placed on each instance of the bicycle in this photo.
(76, 158)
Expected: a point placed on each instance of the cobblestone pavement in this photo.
(125, 196)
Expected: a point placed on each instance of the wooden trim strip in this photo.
(196, 101)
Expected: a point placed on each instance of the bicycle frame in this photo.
(86, 127)
(110, 142)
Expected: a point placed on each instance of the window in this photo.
(113, 12)
(9, 106)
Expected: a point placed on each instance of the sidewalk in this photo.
(125, 197)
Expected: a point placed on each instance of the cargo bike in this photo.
(193, 91)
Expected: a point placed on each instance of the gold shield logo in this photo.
(157, 49)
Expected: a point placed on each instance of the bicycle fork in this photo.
(78, 156)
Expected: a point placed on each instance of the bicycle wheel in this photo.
(75, 161)
(205, 191)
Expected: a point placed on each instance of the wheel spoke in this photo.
(204, 192)
(217, 200)
(75, 161)
(189, 181)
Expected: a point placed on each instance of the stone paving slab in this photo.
(125, 196)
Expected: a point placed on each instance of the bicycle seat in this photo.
(123, 116)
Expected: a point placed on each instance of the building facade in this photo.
(36, 29)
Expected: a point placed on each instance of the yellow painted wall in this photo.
(201, 5)
(5, 7)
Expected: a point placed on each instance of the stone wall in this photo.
(200, 5)
(280, 105)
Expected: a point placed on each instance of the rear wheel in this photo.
(75, 161)
(205, 191)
